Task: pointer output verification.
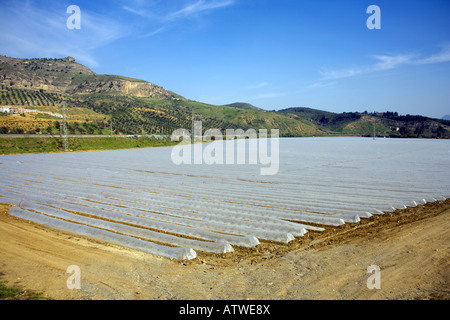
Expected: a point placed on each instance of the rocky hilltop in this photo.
(111, 84)
(67, 76)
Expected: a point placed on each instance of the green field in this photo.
(50, 144)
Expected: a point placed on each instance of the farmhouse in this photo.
(15, 110)
(10, 109)
(6, 109)
(19, 110)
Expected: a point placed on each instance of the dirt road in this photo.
(411, 248)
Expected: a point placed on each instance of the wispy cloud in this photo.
(384, 62)
(321, 85)
(138, 11)
(381, 63)
(340, 74)
(163, 16)
(443, 56)
(38, 29)
(390, 62)
(197, 7)
(154, 32)
(29, 30)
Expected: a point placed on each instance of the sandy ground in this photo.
(411, 248)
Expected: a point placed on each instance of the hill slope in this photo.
(97, 103)
(67, 76)
(384, 124)
(134, 106)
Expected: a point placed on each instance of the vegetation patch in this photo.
(55, 144)
(14, 292)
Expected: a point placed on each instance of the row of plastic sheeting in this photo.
(140, 199)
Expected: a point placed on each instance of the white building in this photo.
(10, 109)
(16, 110)
(6, 109)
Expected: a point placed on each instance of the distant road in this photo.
(75, 136)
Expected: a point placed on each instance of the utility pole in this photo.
(64, 129)
(193, 128)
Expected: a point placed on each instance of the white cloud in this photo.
(383, 62)
(390, 62)
(321, 85)
(160, 16)
(198, 7)
(138, 11)
(153, 33)
(443, 56)
(32, 31)
(339, 74)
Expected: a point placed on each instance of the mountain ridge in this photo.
(65, 75)
(136, 106)
(244, 106)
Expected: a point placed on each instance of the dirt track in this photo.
(411, 247)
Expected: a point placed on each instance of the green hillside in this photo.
(133, 115)
(98, 103)
(389, 124)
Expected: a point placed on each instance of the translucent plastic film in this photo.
(141, 199)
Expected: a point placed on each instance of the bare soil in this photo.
(411, 248)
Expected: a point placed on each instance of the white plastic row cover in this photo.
(140, 219)
(99, 234)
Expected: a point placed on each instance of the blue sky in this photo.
(273, 54)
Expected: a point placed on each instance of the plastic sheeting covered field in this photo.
(140, 199)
